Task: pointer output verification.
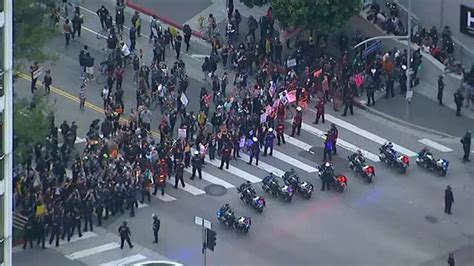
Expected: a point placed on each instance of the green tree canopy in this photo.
(321, 15)
(32, 29)
(31, 125)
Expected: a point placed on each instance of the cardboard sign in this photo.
(263, 118)
(291, 96)
(184, 99)
(242, 142)
(182, 133)
(269, 110)
(291, 63)
(318, 73)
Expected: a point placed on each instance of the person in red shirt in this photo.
(297, 121)
(160, 180)
(319, 111)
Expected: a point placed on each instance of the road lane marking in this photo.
(262, 165)
(212, 179)
(298, 143)
(124, 261)
(189, 188)
(295, 162)
(88, 105)
(91, 251)
(165, 197)
(368, 135)
(435, 145)
(340, 142)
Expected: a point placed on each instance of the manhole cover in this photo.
(215, 190)
(431, 219)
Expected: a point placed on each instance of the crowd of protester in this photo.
(124, 159)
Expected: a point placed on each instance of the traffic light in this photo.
(210, 239)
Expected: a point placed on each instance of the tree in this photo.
(322, 15)
(32, 29)
(31, 124)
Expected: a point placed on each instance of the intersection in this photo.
(397, 220)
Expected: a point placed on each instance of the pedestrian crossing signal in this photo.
(210, 239)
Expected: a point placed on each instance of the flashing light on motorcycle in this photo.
(405, 160)
(342, 179)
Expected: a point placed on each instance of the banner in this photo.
(242, 142)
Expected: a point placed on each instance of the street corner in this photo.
(171, 12)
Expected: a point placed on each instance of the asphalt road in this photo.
(398, 220)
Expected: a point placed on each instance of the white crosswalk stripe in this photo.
(435, 145)
(165, 197)
(91, 251)
(340, 142)
(298, 143)
(296, 163)
(212, 179)
(368, 135)
(125, 261)
(236, 171)
(262, 165)
(189, 188)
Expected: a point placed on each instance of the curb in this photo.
(400, 121)
(164, 19)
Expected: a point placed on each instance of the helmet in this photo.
(124, 222)
(255, 139)
(196, 153)
(154, 216)
(298, 109)
(227, 205)
(359, 152)
(270, 130)
(327, 164)
(247, 182)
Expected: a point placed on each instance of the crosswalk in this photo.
(281, 161)
(102, 248)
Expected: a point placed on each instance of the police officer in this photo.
(270, 136)
(297, 121)
(280, 133)
(156, 227)
(236, 144)
(319, 111)
(226, 152)
(76, 223)
(88, 210)
(55, 229)
(466, 145)
(131, 200)
(448, 199)
(196, 163)
(125, 234)
(325, 178)
(179, 173)
(99, 210)
(28, 233)
(333, 134)
(254, 150)
(67, 223)
(41, 229)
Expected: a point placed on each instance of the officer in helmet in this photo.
(196, 163)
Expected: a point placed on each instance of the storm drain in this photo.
(215, 190)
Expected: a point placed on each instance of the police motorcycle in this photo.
(389, 156)
(360, 167)
(249, 196)
(338, 181)
(291, 178)
(226, 216)
(270, 185)
(426, 160)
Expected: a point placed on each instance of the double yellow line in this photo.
(76, 99)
